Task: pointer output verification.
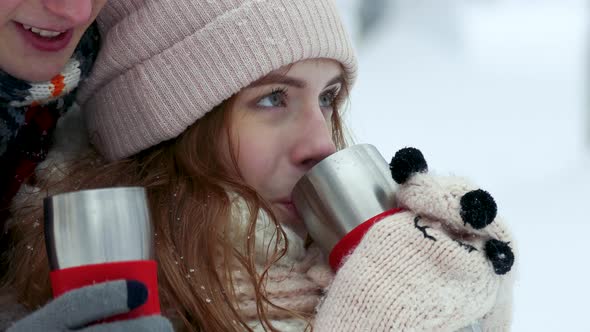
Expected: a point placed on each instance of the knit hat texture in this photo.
(164, 64)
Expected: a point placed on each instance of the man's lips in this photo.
(46, 43)
(47, 27)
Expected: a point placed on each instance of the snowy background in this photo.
(496, 91)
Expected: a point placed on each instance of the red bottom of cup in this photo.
(145, 271)
(347, 244)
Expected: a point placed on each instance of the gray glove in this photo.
(76, 309)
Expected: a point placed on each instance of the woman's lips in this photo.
(45, 44)
(289, 206)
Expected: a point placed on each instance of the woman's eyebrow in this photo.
(337, 79)
(278, 79)
(290, 81)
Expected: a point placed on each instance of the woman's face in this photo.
(281, 127)
(38, 37)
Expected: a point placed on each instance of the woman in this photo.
(217, 108)
(46, 48)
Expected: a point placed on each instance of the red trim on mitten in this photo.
(145, 271)
(349, 242)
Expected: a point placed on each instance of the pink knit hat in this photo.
(163, 64)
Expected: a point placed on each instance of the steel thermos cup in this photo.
(101, 235)
(341, 192)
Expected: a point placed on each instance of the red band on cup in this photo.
(349, 242)
(145, 271)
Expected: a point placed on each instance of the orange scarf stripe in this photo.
(58, 85)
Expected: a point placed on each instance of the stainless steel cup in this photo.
(97, 226)
(342, 191)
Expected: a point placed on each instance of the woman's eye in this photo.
(328, 98)
(277, 98)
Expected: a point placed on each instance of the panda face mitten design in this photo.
(442, 263)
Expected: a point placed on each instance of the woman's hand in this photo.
(75, 310)
(441, 264)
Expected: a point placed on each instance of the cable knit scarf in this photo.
(29, 113)
(296, 282)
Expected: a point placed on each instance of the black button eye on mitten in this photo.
(500, 254)
(478, 208)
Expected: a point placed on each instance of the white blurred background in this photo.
(496, 90)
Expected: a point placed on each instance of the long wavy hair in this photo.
(187, 186)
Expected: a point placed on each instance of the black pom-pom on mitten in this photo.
(406, 162)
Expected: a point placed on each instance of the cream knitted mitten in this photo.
(440, 264)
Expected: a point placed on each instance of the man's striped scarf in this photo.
(29, 114)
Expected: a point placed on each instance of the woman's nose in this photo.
(315, 141)
(76, 12)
